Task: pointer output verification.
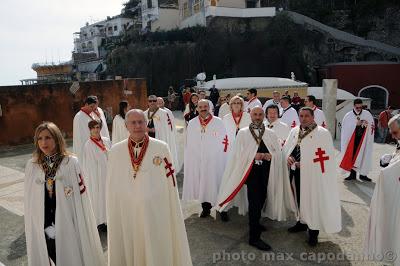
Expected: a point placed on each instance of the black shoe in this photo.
(102, 228)
(299, 227)
(365, 178)
(352, 176)
(312, 241)
(312, 237)
(224, 216)
(206, 206)
(261, 245)
(262, 228)
(205, 213)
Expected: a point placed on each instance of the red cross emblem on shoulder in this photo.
(170, 170)
(169, 122)
(293, 124)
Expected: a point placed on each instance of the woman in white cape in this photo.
(59, 223)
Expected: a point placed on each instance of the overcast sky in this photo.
(36, 31)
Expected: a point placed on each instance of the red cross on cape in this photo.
(171, 171)
(226, 143)
(321, 158)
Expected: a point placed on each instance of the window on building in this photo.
(186, 12)
(83, 45)
(250, 4)
(90, 45)
(110, 29)
(91, 33)
(213, 2)
(115, 28)
(196, 6)
(149, 3)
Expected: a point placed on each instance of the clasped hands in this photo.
(263, 156)
(291, 161)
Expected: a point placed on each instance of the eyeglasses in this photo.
(152, 101)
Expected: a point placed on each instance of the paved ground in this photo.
(211, 241)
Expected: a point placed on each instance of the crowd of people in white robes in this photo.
(268, 160)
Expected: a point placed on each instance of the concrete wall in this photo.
(25, 107)
(168, 19)
(230, 3)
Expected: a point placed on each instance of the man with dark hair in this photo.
(289, 115)
(357, 139)
(310, 155)
(383, 120)
(214, 95)
(90, 111)
(273, 122)
(319, 115)
(161, 126)
(252, 100)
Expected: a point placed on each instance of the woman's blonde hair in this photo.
(236, 98)
(38, 155)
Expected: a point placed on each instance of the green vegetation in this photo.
(168, 58)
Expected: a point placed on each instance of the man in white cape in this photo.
(144, 216)
(205, 155)
(256, 160)
(76, 236)
(161, 126)
(276, 97)
(319, 116)
(95, 168)
(119, 131)
(225, 108)
(252, 100)
(273, 122)
(289, 115)
(90, 111)
(310, 154)
(357, 140)
(382, 236)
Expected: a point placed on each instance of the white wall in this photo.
(240, 12)
(168, 19)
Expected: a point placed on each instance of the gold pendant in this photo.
(50, 186)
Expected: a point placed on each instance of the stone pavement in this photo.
(211, 241)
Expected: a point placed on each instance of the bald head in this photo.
(257, 115)
(203, 108)
(135, 122)
(160, 102)
(134, 112)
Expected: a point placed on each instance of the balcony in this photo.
(218, 11)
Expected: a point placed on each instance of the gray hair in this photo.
(394, 119)
(132, 111)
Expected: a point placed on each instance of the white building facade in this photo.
(196, 12)
(90, 37)
(160, 15)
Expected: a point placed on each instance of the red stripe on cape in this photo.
(348, 158)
